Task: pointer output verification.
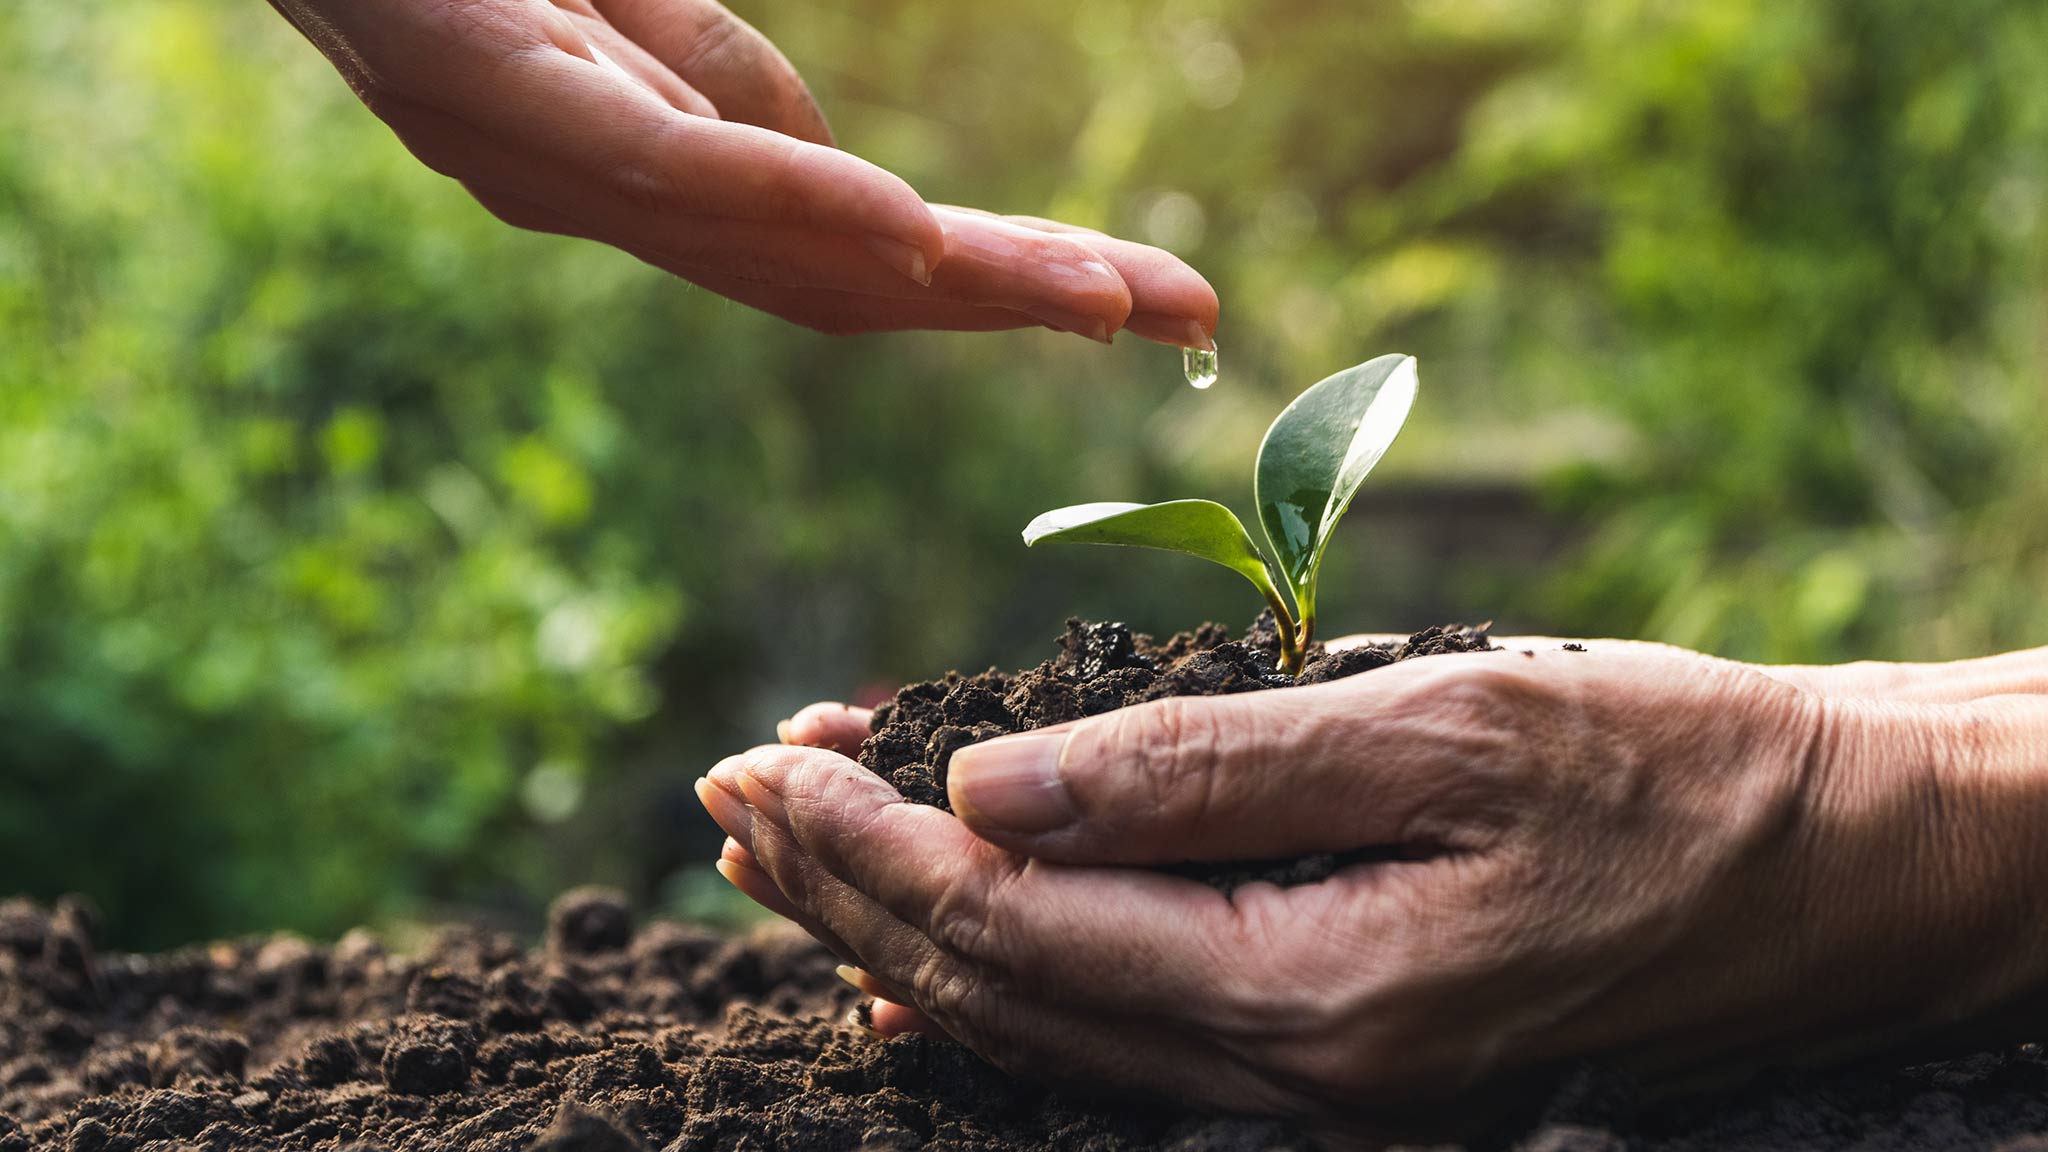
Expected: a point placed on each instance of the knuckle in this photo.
(465, 22)
(1168, 752)
(965, 919)
(1479, 695)
(1253, 999)
(952, 994)
(719, 43)
(640, 179)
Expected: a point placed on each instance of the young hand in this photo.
(1631, 850)
(673, 130)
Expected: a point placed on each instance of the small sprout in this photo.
(1310, 465)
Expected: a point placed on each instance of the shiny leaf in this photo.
(1201, 528)
(1318, 452)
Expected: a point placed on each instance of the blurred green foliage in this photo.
(363, 558)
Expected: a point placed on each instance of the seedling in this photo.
(1310, 466)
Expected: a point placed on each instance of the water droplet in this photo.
(1199, 365)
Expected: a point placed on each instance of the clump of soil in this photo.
(613, 1037)
(1105, 666)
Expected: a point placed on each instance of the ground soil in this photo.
(1105, 666)
(612, 1037)
(607, 1038)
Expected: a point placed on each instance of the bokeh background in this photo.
(362, 559)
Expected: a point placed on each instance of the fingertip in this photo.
(727, 810)
(888, 1019)
(1172, 330)
(755, 885)
(725, 774)
(839, 727)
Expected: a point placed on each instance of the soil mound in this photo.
(667, 1038)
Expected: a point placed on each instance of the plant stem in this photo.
(1290, 651)
(1291, 646)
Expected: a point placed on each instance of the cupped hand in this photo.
(1631, 850)
(673, 130)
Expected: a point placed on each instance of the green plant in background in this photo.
(1315, 455)
(351, 543)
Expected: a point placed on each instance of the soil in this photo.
(615, 1038)
(1105, 666)
(606, 1038)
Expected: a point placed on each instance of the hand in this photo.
(1632, 850)
(673, 130)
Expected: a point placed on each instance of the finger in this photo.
(618, 52)
(520, 212)
(1059, 279)
(842, 728)
(722, 56)
(1129, 940)
(1054, 280)
(738, 866)
(851, 313)
(565, 113)
(1392, 757)
(1170, 302)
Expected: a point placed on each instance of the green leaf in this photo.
(1315, 456)
(1201, 528)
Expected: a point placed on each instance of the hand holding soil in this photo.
(1633, 851)
(674, 131)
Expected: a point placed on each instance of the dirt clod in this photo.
(587, 921)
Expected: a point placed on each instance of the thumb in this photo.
(1260, 775)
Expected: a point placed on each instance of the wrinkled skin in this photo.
(673, 130)
(1634, 850)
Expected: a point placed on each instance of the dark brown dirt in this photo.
(605, 1039)
(609, 1038)
(1105, 666)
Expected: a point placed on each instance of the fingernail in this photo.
(1199, 338)
(763, 799)
(756, 886)
(861, 1019)
(860, 981)
(905, 258)
(1080, 324)
(1012, 784)
(728, 811)
(782, 731)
